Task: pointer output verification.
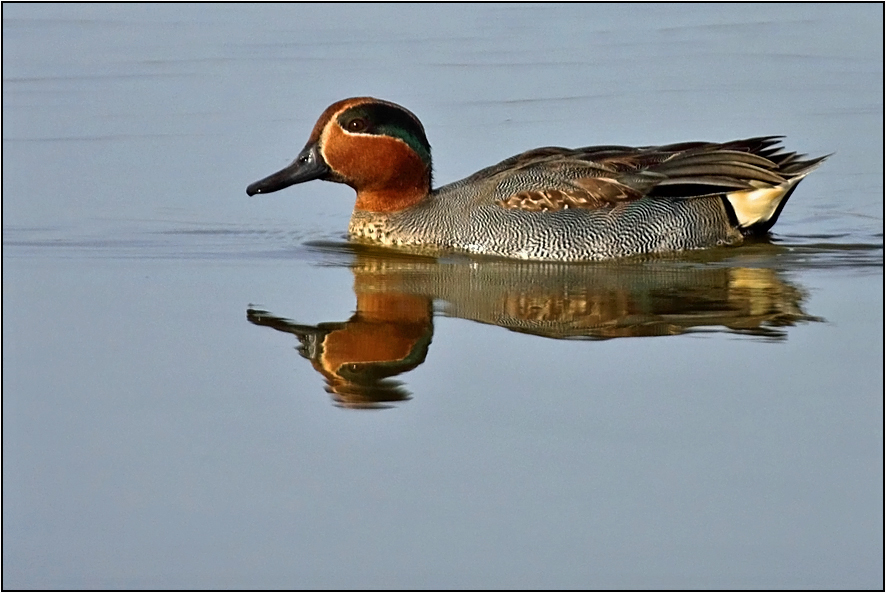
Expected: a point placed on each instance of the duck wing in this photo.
(598, 176)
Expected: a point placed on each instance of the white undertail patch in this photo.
(759, 205)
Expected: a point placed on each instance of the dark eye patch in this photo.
(386, 120)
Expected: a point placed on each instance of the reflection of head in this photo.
(359, 356)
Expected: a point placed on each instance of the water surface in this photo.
(203, 390)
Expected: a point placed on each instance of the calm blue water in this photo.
(189, 395)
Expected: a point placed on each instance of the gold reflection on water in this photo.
(391, 330)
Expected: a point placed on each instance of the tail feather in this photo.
(755, 176)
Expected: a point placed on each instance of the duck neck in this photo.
(392, 197)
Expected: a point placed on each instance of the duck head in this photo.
(376, 147)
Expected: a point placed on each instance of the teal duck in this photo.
(552, 203)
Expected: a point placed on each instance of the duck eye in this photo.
(356, 125)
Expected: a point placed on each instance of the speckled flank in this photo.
(644, 226)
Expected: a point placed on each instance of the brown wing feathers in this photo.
(589, 193)
(692, 169)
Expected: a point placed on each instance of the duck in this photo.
(546, 204)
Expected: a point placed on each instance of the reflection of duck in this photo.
(391, 330)
(632, 301)
(551, 203)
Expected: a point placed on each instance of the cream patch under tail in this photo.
(757, 209)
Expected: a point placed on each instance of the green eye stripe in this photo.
(384, 120)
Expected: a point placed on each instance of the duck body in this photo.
(460, 217)
(551, 203)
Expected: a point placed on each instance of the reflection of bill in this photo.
(391, 330)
